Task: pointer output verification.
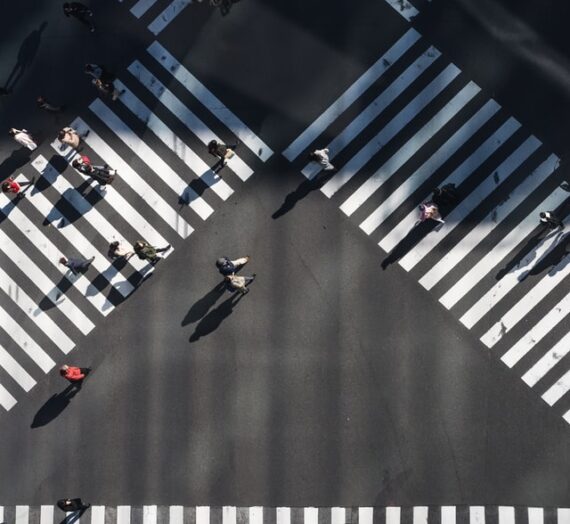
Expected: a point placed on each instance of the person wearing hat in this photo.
(229, 267)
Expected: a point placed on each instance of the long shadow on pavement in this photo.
(212, 320)
(201, 308)
(55, 405)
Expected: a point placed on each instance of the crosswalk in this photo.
(164, 190)
(413, 122)
(150, 514)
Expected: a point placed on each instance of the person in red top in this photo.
(73, 374)
(11, 186)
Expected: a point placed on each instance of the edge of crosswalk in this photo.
(176, 514)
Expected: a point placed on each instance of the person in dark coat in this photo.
(79, 11)
(72, 505)
(551, 220)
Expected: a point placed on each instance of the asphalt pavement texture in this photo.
(332, 382)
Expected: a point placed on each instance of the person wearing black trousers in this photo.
(551, 220)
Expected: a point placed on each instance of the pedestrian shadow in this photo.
(18, 158)
(26, 55)
(55, 405)
(553, 259)
(415, 235)
(528, 250)
(74, 516)
(306, 187)
(226, 6)
(194, 190)
(201, 308)
(214, 318)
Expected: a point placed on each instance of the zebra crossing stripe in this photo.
(7, 401)
(338, 107)
(311, 516)
(282, 516)
(22, 514)
(229, 515)
(97, 514)
(393, 514)
(538, 332)
(82, 245)
(506, 515)
(535, 516)
(486, 225)
(390, 130)
(202, 515)
(478, 271)
(169, 14)
(510, 281)
(483, 190)
(563, 514)
(152, 159)
(86, 210)
(210, 101)
(477, 514)
(26, 343)
(467, 167)
(410, 148)
(38, 316)
(141, 7)
(123, 514)
(140, 187)
(376, 107)
(448, 515)
(46, 515)
(404, 8)
(53, 254)
(51, 291)
(338, 516)
(185, 115)
(150, 515)
(557, 390)
(421, 175)
(15, 370)
(175, 144)
(548, 361)
(176, 515)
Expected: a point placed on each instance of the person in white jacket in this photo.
(321, 156)
(23, 138)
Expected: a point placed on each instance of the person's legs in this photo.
(162, 249)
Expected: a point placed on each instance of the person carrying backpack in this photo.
(147, 252)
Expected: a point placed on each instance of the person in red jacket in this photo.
(73, 374)
(11, 186)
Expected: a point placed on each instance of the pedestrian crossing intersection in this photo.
(413, 122)
(155, 135)
(97, 514)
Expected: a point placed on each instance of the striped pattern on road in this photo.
(152, 514)
(491, 264)
(165, 188)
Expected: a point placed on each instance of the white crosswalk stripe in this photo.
(124, 514)
(46, 309)
(503, 178)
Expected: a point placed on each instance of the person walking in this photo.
(15, 188)
(76, 265)
(321, 156)
(44, 104)
(102, 174)
(79, 11)
(229, 267)
(429, 210)
(551, 220)
(70, 137)
(73, 374)
(221, 151)
(23, 138)
(147, 252)
(119, 249)
(72, 505)
(238, 283)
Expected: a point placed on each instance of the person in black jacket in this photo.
(79, 11)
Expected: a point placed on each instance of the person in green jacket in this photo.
(147, 252)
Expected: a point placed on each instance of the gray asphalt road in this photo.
(332, 382)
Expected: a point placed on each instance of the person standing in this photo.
(23, 138)
(76, 265)
(147, 252)
(221, 151)
(79, 11)
(71, 505)
(551, 220)
(70, 137)
(229, 267)
(43, 103)
(321, 156)
(73, 374)
(13, 187)
(238, 283)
